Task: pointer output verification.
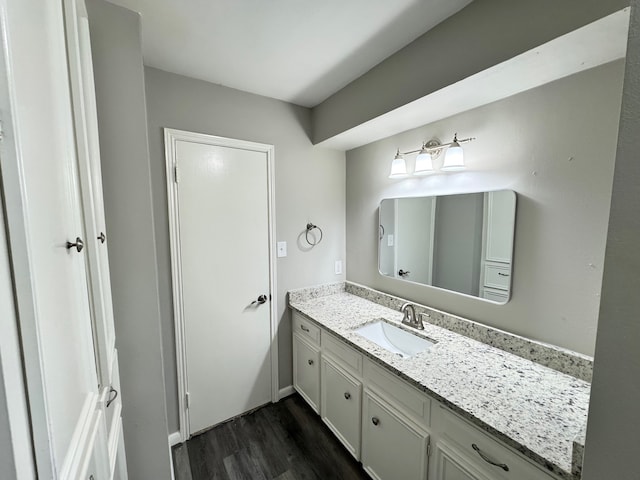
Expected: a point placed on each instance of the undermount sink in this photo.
(394, 339)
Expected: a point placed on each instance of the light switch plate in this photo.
(282, 249)
(390, 240)
(338, 267)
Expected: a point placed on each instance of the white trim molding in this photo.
(286, 391)
(171, 137)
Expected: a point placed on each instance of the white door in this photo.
(223, 210)
(40, 185)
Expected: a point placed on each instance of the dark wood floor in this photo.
(281, 441)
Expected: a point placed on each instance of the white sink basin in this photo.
(394, 339)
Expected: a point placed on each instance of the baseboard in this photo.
(174, 439)
(285, 392)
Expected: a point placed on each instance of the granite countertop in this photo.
(536, 410)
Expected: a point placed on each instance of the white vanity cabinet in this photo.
(306, 361)
(464, 452)
(340, 405)
(392, 445)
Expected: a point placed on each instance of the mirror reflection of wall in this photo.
(462, 243)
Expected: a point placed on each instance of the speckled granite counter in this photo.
(536, 410)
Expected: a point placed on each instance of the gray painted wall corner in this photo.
(120, 98)
(613, 443)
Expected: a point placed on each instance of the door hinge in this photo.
(429, 448)
(1, 131)
(187, 399)
(175, 174)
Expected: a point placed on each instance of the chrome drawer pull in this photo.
(304, 329)
(347, 395)
(113, 394)
(503, 274)
(503, 466)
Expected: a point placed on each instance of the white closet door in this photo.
(40, 182)
(88, 149)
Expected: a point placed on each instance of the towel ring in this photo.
(311, 226)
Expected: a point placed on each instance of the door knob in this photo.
(403, 273)
(261, 299)
(78, 245)
(102, 237)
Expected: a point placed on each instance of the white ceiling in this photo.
(300, 51)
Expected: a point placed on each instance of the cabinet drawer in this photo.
(481, 449)
(497, 276)
(411, 401)
(346, 356)
(305, 328)
(495, 295)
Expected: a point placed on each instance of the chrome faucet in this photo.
(410, 318)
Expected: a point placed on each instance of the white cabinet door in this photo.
(90, 179)
(450, 464)
(89, 170)
(392, 446)
(306, 371)
(40, 183)
(340, 406)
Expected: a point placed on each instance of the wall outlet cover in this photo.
(282, 249)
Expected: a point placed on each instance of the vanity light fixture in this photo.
(453, 160)
(398, 167)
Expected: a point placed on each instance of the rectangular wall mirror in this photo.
(462, 243)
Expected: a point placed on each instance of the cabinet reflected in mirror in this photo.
(462, 243)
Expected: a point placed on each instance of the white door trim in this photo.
(171, 136)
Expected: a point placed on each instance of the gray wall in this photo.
(483, 34)
(119, 77)
(555, 147)
(309, 186)
(612, 434)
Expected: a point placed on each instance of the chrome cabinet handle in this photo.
(78, 245)
(304, 329)
(347, 395)
(503, 466)
(113, 392)
(102, 237)
(310, 362)
(375, 421)
(403, 273)
(503, 274)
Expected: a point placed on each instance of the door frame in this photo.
(171, 137)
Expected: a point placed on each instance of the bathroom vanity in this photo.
(460, 409)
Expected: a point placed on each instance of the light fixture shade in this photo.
(454, 158)
(398, 167)
(424, 163)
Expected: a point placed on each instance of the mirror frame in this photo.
(498, 265)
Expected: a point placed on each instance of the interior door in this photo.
(223, 211)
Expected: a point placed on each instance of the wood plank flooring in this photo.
(281, 441)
